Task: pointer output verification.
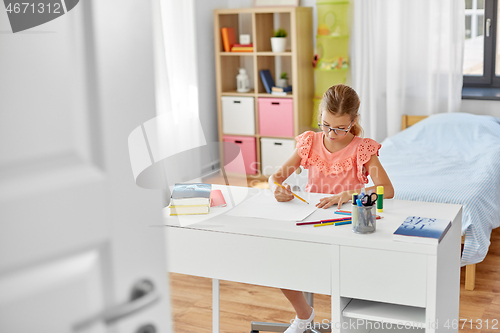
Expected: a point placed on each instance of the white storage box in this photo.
(238, 115)
(274, 153)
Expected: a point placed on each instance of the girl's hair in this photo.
(340, 100)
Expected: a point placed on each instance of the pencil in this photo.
(324, 221)
(295, 195)
(334, 223)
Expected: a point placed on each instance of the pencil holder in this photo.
(364, 222)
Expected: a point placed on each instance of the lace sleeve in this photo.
(304, 144)
(366, 149)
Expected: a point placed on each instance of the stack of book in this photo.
(242, 48)
(189, 199)
(281, 91)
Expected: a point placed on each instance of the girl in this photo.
(339, 161)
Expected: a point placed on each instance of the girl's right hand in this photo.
(283, 195)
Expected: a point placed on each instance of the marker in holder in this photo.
(364, 222)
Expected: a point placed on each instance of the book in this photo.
(228, 38)
(280, 93)
(422, 230)
(267, 79)
(191, 194)
(243, 45)
(241, 49)
(189, 209)
(281, 89)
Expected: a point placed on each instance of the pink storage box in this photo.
(246, 160)
(276, 116)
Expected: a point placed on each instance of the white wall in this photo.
(491, 108)
(207, 94)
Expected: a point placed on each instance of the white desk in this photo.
(423, 281)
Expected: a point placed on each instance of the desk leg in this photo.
(215, 306)
(335, 291)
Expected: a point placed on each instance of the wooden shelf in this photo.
(236, 54)
(296, 61)
(385, 312)
(251, 93)
(274, 96)
(275, 54)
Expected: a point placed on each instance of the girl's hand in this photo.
(283, 195)
(334, 200)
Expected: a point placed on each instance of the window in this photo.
(482, 44)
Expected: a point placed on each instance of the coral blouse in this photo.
(335, 172)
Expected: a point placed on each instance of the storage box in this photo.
(244, 161)
(238, 116)
(274, 152)
(276, 116)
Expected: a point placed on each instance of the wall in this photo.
(491, 108)
(207, 94)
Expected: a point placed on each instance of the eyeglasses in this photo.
(337, 131)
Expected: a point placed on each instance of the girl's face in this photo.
(339, 123)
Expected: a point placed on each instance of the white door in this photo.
(75, 233)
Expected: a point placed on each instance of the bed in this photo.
(451, 158)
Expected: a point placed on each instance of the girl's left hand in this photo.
(333, 200)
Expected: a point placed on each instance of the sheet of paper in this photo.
(264, 205)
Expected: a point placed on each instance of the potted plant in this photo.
(278, 42)
(283, 80)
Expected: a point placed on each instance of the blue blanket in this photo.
(451, 158)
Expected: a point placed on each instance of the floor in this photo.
(242, 303)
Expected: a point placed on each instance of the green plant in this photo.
(284, 76)
(280, 33)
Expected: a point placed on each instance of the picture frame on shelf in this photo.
(275, 3)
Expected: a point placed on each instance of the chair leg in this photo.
(470, 277)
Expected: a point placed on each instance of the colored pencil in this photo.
(324, 221)
(295, 195)
(334, 223)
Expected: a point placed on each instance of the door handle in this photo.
(488, 27)
(143, 295)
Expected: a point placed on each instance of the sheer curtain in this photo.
(177, 127)
(406, 58)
